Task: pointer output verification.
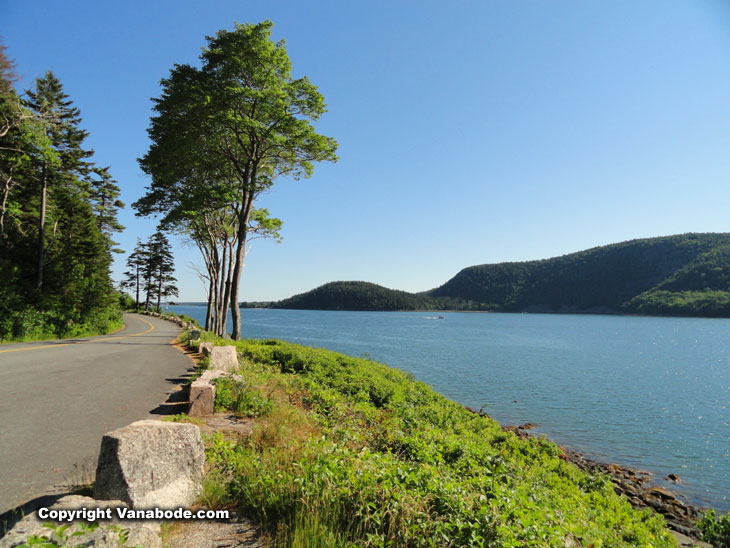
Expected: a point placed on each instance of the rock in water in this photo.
(223, 358)
(151, 464)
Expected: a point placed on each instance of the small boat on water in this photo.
(442, 317)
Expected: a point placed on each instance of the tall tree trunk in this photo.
(42, 230)
(235, 310)
(214, 303)
(159, 289)
(227, 293)
(137, 299)
(148, 286)
(3, 206)
(209, 308)
(221, 310)
(238, 269)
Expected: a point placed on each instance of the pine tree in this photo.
(133, 277)
(62, 121)
(161, 265)
(104, 196)
(57, 215)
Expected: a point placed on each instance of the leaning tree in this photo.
(222, 134)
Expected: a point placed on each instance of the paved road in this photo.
(58, 398)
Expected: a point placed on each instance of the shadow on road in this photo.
(177, 400)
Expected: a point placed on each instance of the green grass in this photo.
(354, 453)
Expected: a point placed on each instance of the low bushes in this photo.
(715, 530)
(354, 453)
(30, 324)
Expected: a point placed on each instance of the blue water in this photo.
(649, 393)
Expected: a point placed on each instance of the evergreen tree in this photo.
(78, 262)
(162, 267)
(104, 196)
(62, 121)
(57, 214)
(133, 277)
(151, 268)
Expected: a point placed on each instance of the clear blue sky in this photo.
(470, 131)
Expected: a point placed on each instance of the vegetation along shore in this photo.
(346, 451)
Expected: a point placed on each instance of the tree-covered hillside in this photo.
(686, 274)
(58, 215)
(354, 296)
(603, 278)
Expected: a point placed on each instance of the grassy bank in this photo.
(349, 452)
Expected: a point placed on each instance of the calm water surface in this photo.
(649, 393)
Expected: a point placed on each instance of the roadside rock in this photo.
(223, 358)
(107, 535)
(202, 392)
(151, 464)
(205, 347)
(232, 427)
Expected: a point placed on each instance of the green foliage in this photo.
(682, 303)
(236, 396)
(221, 135)
(158, 270)
(354, 453)
(715, 530)
(684, 275)
(126, 302)
(29, 324)
(56, 219)
(66, 535)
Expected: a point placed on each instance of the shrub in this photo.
(232, 395)
(716, 531)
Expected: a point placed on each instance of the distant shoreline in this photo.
(452, 311)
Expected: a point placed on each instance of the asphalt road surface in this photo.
(57, 399)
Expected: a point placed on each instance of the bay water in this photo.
(648, 393)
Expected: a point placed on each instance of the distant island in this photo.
(682, 275)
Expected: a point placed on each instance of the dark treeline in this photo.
(685, 275)
(58, 214)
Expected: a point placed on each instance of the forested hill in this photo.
(687, 275)
(355, 296)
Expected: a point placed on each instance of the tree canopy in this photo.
(221, 135)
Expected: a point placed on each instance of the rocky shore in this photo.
(636, 486)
